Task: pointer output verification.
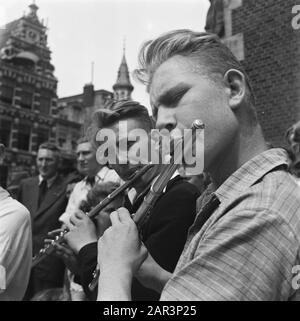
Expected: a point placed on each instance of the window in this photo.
(76, 114)
(7, 94)
(74, 145)
(42, 135)
(5, 129)
(24, 137)
(45, 103)
(61, 142)
(26, 99)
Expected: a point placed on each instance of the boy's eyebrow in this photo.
(172, 94)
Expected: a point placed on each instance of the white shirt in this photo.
(15, 248)
(50, 181)
(81, 190)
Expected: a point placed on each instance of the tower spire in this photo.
(33, 8)
(124, 45)
(92, 72)
(123, 87)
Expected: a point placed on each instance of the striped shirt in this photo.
(248, 249)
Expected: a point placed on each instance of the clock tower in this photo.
(28, 99)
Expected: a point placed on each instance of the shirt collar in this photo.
(131, 194)
(252, 171)
(50, 181)
(100, 176)
(102, 173)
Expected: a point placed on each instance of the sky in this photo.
(84, 31)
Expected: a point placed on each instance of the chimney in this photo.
(88, 95)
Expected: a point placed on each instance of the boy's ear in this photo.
(236, 82)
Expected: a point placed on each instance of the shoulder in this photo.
(60, 184)
(112, 176)
(13, 214)
(271, 204)
(178, 201)
(277, 193)
(182, 188)
(79, 189)
(29, 181)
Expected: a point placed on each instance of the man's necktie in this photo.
(90, 181)
(42, 191)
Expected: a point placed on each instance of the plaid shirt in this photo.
(248, 247)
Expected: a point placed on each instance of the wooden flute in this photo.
(44, 252)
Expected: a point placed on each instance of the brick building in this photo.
(28, 100)
(78, 109)
(261, 35)
(30, 111)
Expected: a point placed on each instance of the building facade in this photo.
(261, 35)
(78, 109)
(28, 99)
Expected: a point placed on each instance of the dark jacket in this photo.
(164, 234)
(43, 220)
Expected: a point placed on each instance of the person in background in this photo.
(45, 198)
(293, 139)
(15, 246)
(93, 172)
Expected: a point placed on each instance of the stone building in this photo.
(28, 100)
(260, 34)
(78, 109)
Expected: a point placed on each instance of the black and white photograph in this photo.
(150, 151)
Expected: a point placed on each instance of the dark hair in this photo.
(120, 110)
(292, 137)
(97, 194)
(50, 146)
(82, 140)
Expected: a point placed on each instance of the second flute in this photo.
(47, 250)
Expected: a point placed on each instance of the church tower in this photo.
(123, 87)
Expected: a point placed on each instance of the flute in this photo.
(156, 190)
(47, 250)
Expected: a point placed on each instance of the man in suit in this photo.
(45, 197)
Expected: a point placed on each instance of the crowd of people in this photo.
(229, 233)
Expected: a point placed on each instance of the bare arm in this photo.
(120, 254)
(152, 275)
